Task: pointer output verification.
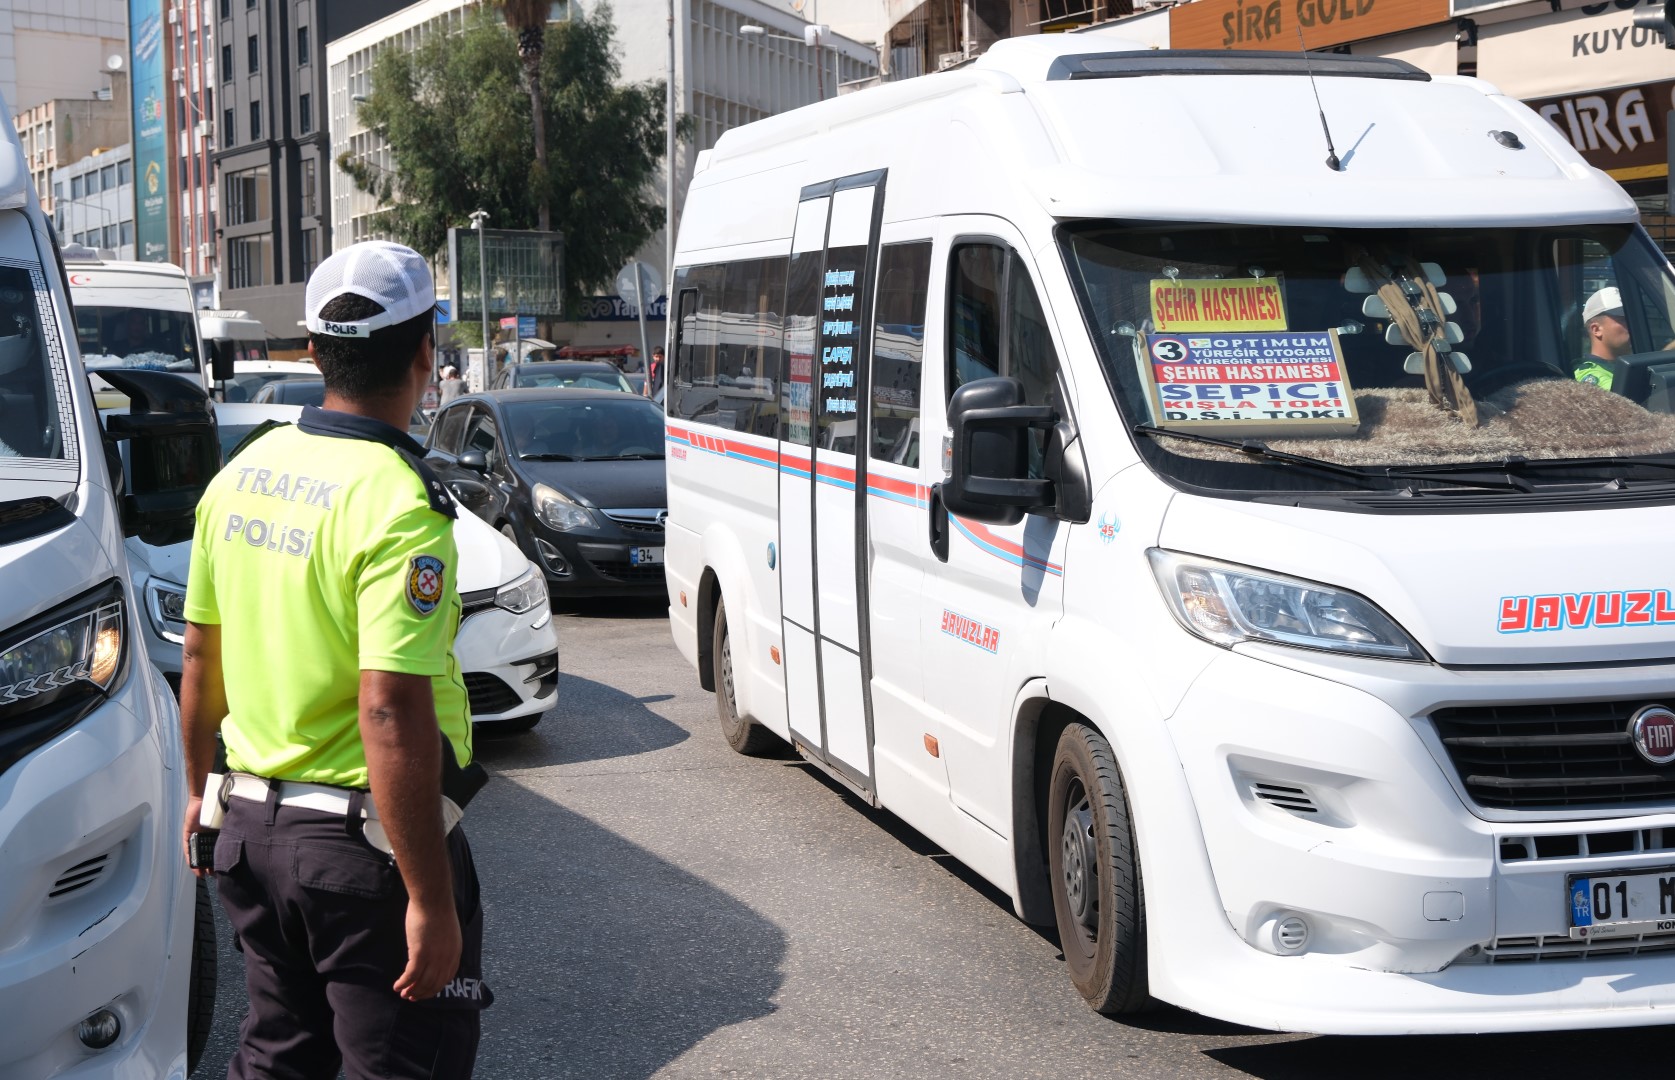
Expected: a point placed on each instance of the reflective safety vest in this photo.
(1594, 373)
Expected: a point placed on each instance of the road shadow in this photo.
(592, 722)
(612, 607)
(605, 960)
(1628, 1053)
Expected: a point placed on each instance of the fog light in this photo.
(549, 555)
(99, 1030)
(1291, 934)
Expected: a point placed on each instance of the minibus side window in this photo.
(898, 350)
(802, 307)
(996, 326)
(977, 275)
(747, 352)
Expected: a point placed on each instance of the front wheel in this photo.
(745, 736)
(200, 991)
(1095, 871)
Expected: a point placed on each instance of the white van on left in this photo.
(106, 945)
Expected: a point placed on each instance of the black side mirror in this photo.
(991, 428)
(220, 360)
(475, 460)
(173, 450)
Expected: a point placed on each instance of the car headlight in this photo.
(559, 511)
(71, 656)
(524, 594)
(1225, 604)
(165, 606)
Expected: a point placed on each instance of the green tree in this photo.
(461, 138)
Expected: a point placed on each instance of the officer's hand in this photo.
(433, 948)
(194, 807)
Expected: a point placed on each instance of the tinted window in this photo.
(976, 280)
(904, 272)
(728, 353)
(480, 435)
(595, 429)
(449, 427)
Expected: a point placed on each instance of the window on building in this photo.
(226, 9)
(107, 177)
(249, 196)
(253, 54)
(93, 183)
(227, 63)
(310, 187)
(78, 187)
(127, 232)
(180, 111)
(302, 45)
(229, 133)
(111, 234)
(57, 192)
(124, 172)
(305, 113)
(249, 259)
(248, 4)
(180, 177)
(310, 251)
(255, 119)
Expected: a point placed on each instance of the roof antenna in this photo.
(1331, 153)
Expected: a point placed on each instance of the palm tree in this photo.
(528, 19)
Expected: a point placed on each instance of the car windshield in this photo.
(592, 429)
(1544, 344)
(33, 388)
(117, 337)
(582, 378)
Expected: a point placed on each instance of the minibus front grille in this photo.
(1537, 756)
(1539, 947)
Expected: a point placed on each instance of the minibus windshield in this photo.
(117, 337)
(1544, 345)
(32, 379)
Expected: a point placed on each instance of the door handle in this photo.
(938, 524)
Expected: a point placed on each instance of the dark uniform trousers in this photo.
(320, 916)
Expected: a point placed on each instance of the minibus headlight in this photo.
(1225, 604)
(559, 511)
(73, 653)
(165, 606)
(525, 594)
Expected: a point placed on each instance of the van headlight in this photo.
(559, 511)
(71, 656)
(524, 594)
(165, 606)
(1225, 604)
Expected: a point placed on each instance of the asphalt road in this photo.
(659, 906)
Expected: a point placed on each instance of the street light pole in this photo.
(477, 219)
(669, 161)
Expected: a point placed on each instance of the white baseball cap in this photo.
(389, 274)
(1603, 302)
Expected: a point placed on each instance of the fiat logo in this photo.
(1652, 730)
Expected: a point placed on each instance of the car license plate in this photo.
(645, 556)
(1624, 904)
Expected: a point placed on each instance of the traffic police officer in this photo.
(1608, 337)
(321, 613)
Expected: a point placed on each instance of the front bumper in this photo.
(1320, 798)
(581, 564)
(96, 904)
(509, 663)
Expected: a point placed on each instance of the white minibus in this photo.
(137, 315)
(1236, 537)
(236, 334)
(107, 942)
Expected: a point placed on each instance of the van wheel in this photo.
(1095, 871)
(745, 736)
(200, 991)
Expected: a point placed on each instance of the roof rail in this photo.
(1136, 63)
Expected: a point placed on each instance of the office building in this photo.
(190, 46)
(93, 201)
(60, 131)
(57, 48)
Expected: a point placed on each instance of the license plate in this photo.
(645, 556)
(1617, 905)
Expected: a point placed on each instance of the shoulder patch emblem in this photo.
(425, 579)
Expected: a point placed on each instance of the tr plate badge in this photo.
(424, 583)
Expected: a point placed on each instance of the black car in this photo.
(573, 477)
(584, 374)
(295, 391)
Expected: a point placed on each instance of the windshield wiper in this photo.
(1364, 477)
(546, 457)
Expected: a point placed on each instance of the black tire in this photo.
(1095, 875)
(200, 992)
(745, 736)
